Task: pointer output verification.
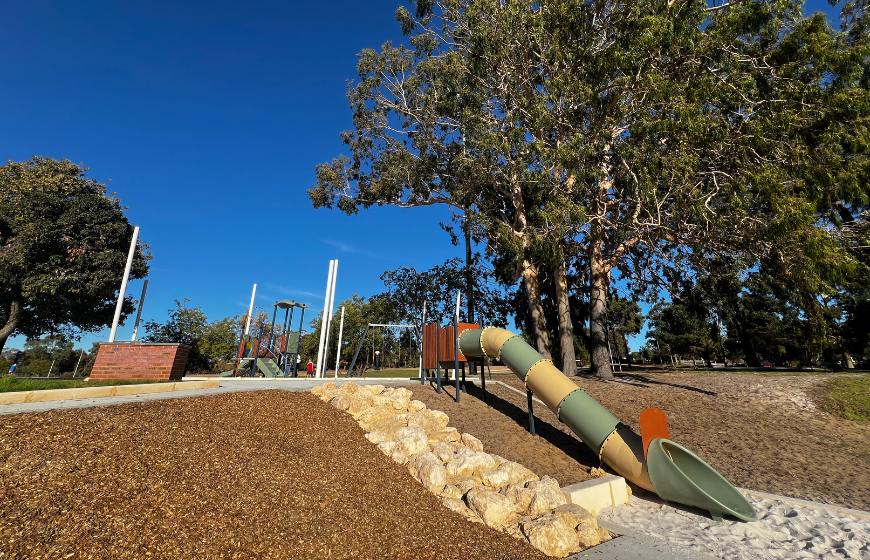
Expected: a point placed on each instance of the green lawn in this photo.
(392, 373)
(10, 384)
(848, 397)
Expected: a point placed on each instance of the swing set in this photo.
(381, 347)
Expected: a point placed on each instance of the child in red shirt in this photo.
(310, 368)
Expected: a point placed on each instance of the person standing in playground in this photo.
(310, 368)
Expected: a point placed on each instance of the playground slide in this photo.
(666, 468)
(267, 366)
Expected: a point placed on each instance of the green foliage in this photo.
(407, 289)
(40, 354)
(63, 247)
(847, 397)
(212, 345)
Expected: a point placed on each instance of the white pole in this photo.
(124, 280)
(325, 363)
(324, 318)
(139, 312)
(338, 350)
(250, 310)
(76, 370)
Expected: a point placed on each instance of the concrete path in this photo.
(229, 385)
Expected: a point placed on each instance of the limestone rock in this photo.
(492, 507)
(576, 516)
(325, 391)
(449, 434)
(416, 405)
(516, 473)
(520, 496)
(547, 495)
(411, 440)
(399, 398)
(340, 401)
(551, 535)
(495, 479)
(430, 472)
(465, 484)
(466, 462)
(444, 451)
(471, 442)
(451, 491)
(432, 421)
(459, 507)
(387, 447)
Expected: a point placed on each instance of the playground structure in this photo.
(271, 353)
(651, 460)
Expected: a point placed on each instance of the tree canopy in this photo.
(63, 247)
(654, 139)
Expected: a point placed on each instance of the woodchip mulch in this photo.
(246, 475)
(759, 430)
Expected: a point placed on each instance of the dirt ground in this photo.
(245, 475)
(761, 431)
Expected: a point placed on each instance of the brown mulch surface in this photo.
(760, 431)
(246, 475)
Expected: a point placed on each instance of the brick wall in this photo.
(148, 362)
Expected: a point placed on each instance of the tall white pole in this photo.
(139, 312)
(124, 280)
(250, 310)
(324, 319)
(338, 349)
(325, 363)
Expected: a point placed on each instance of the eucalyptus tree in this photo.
(652, 137)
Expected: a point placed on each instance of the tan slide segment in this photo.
(549, 384)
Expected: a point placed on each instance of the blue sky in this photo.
(207, 119)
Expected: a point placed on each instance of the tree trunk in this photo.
(536, 309)
(598, 353)
(11, 322)
(566, 328)
(469, 274)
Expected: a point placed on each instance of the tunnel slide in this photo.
(666, 468)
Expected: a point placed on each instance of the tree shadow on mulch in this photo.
(643, 381)
(568, 444)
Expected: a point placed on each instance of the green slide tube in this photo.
(670, 470)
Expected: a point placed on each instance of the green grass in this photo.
(11, 384)
(848, 397)
(392, 373)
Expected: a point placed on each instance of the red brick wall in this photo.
(148, 362)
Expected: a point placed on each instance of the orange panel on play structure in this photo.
(653, 425)
(439, 344)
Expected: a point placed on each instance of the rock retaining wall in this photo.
(482, 487)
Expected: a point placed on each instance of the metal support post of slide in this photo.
(139, 311)
(531, 412)
(130, 254)
(338, 348)
(323, 318)
(456, 347)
